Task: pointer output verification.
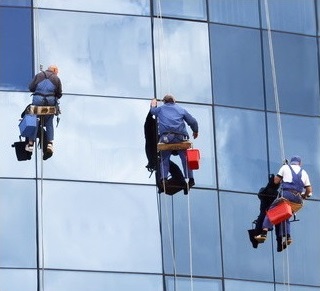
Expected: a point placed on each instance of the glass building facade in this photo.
(90, 218)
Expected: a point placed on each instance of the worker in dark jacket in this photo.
(296, 187)
(172, 120)
(46, 87)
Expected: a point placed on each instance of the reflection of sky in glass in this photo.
(236, 66)
(140, 7)
(188, 284)
(295, 130)
(195, 9)
(241, 149)
(15, 48)
(240, 258)
(84, 281)
(98, 54)
(11, 106)
(18, 280)
(300, 249)
(182, 60)
(17, 232)
(206, 254)
(16, 2)
(295, 60)
(101, 227)
(290, 15)
(244, 12)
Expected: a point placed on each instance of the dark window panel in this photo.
(16, 48)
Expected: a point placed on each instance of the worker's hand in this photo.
(195, 135)
(154, 102)
(305, 196)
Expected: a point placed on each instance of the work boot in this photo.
(29, 148)
(191, 182)
(50, 148)
(261, 237)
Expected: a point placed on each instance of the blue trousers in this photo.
(285, 225)
(164, 165)
(165, 156)
(47, 119)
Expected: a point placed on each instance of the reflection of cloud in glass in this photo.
(83, 281)
(17, 280)
(182, 60)
(140, 7)
(101, 227)
(98, 54)
(17, 232)
(101, 139)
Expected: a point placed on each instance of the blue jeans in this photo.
(47, 119)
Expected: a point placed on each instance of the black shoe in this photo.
(252, 234)
(280, 245)
(191, 182)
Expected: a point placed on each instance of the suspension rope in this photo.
(41, 205)
(162, 53)
(164, 83)
(276, 97)
(41, 194)
(274, 80)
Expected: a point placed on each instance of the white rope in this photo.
(274, 80)
(190, 244)
(163, 59)
(276, 97)
(38, 65)
(162, 53)
(41, 207)
(36, 35)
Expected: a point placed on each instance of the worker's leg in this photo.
(164, 164)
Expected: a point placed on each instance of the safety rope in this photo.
(276, 97)
(39, 65)
(163, 60)
(41, 204)
(162, 52)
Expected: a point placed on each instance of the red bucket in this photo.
(193, 158)
(279, 213)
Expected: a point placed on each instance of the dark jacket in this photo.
(52, 77)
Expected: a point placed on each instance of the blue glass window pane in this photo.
(239, 257)
(12, 105)
(17, 280)
(189, 284)
(244, 12)
(98, 54)
(294, 131)
(236, 66)
(15, 2)
(17, 232)
(84, 281)
(296, 69)
(235, 285)
(195, 9)
(16, 48)
(182, 60)
(94, 226)
(290, 15)
(241, 149)
(201, 234)
(138, 7)
(302, 249)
